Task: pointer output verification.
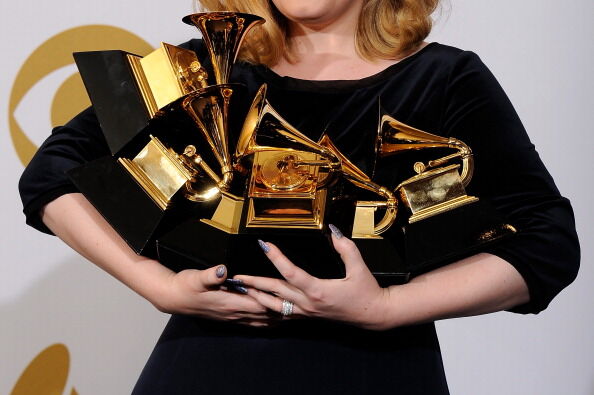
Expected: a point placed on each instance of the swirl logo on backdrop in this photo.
(46, 374)
(70, 97)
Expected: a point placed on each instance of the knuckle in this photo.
(228, 309)
(163, 308)
(260, 309)
(310, 310)
(274, 254)
(277, 286)
(317, 295)
(290, 274)
(349, 245)
(256, 308)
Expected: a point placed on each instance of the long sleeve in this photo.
(69, 146)
(510, 174)
(79, 141)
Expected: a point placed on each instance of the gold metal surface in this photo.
(167, 74)
(364, 221)
(434, 189)
(395, 136)
(143, 85)
(158, 171)
(363, 225)
(174, 75)
(172, 72)
(262, 121)
(223, 33)
(434, 192)
(227, 216)
(287, 212)
(208, 109)
(288, 172)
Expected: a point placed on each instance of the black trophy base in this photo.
(197, 245)
(456, 234)
(121, 201)
(112, 87)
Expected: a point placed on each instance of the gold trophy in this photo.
(132, 94)
(164, 172)
(443, 222)
(289, 192)
(434, 189)
(178, 189)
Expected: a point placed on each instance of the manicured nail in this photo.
(264, 246)
(233, 281)
(335, 231)
(221, 271)
(242, 290)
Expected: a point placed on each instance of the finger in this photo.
(348, 251)
(292, 273)
(260, 323)
(234, 285)
(214, 276)
(274, 286)
(274, 303)
(230, 303)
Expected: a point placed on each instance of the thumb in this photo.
(349, 253)
(213, 276)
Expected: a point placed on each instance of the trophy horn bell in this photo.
(208, 110)
(394, 137)
(223, 33)
(356, 176)
(276, 134)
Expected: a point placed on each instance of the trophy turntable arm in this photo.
(463, 152)
(193, 160)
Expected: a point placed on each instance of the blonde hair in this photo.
(387, 29)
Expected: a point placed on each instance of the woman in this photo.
(326, 62)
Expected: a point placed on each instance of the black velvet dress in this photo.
(440, 89)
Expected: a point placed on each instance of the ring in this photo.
(287, 308)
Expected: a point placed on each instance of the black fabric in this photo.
(69, 146)
(198, 357)
(442, 90)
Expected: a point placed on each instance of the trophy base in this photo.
(196, 245)
(120, 108)
(121, 201)
(453, 235)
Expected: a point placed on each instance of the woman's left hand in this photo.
(355, 299)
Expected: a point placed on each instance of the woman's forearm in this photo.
(74, 220)
(480, 284)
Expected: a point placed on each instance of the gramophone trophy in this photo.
(182, 187)
(288, 197)
(443, 222)
(154, 111)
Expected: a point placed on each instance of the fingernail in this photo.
(264, 246)
(335, 231)
(221, 271)
(233, 281)
(242, 290)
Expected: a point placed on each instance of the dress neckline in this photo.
(299, 84)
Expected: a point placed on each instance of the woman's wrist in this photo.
(153, 281)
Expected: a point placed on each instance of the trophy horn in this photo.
(394, 137)
(275, 134)
(223, 33)
(208, 110)
(364, 219)
(436, 188)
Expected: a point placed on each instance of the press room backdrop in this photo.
(67, 327)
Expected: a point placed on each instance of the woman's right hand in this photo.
(203, 293)
(196, 292)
